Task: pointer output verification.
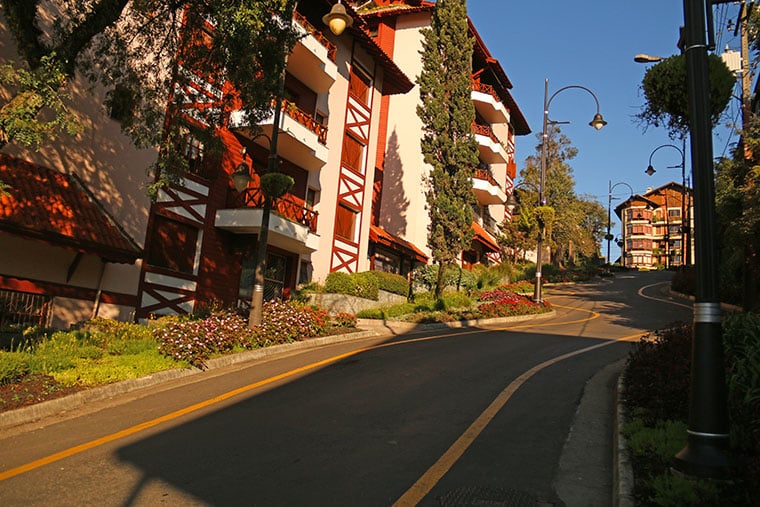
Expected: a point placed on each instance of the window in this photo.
(353, 153)
(24, 309)
(305, 272)
(345, 222)
(312, 198)
(359, 84)
(640, 244)
(192, 149)
(639, 229)
(674, 212)
(172, 245)
(121, 102)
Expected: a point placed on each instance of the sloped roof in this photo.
(383, 237)
(44, 204)
(394, 79)
(484, 238)
(481, 51)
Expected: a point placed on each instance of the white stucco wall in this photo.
(403, 210)
(114, 171)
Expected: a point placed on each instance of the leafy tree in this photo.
(144, 53)
(519, 234)
(573, 224)
(448, 145)
(665, 90)
(737, 203)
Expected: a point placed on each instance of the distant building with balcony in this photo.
(657, 228)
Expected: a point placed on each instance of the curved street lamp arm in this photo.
(620, 183)
(683, 156)
(573, 86)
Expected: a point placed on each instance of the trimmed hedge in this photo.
(425, 277)
(363, 285)
(391, 282)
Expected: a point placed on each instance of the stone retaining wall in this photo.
(335, 303)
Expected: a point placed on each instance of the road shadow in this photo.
(353, 432)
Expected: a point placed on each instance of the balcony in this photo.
(302, 139)
(312, 60)
(491, 149)
(488, 103)
(292, 226)
(484, 219)
(487, 189)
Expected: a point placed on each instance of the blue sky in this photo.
(592, 43)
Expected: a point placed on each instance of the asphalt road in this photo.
(457, 417)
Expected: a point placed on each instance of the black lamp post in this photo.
(706, 453)
(338, 20)
(597, 122)
(650, 170)
(609, 236)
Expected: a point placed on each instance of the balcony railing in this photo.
(485, 88)
(287, 206)
(332, 50)
(486, 221)
(485, 130)
(305, 119)
(485, 174)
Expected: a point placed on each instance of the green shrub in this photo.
(741, 339)
(661, 440)
(13, 366)
(673, 490)
(343, 320)
(389, 312)
(132, 345)
(362, 285)
(371, 313)
(391, 282)
(657, 374)
(116, 369)
(450, 300)
(425, 277)
(488, 277)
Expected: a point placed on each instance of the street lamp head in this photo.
(241, 177)
(338, 19)
(511, 203)
(650, 170)
(644, 58)
(598, 122)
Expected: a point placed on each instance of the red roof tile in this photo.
(380, 235)
(484, 238)
(47, 205)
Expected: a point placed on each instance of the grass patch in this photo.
(116, 368)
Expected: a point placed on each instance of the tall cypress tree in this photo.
(448, 144)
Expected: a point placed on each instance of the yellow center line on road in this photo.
(72, 451)
(433, 475)
(169, 417)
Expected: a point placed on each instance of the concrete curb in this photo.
(622, 469)
(57, 406)
(397, 327)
